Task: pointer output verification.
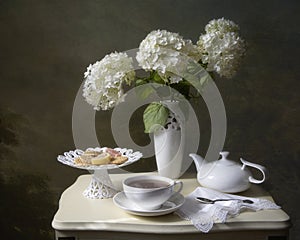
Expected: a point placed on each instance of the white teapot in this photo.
(226, 175)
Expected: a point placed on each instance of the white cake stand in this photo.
(101, 185)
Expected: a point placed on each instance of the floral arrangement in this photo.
(220, 50)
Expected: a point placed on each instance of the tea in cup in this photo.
(150, 192)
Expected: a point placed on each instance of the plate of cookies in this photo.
(99, 158)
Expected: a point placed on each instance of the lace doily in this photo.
(203, 216)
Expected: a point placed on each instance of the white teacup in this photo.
(150, 192)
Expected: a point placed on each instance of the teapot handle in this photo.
(261, 168)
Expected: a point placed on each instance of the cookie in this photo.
(86, 157)
(119, 160)
(79, 161)
(101, 159)
(113, 153)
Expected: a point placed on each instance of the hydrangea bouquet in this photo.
(219, 50)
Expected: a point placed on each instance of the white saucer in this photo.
(170, 206)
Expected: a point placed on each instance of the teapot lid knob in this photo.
(224, 155)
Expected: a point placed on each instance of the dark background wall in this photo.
(45, 47)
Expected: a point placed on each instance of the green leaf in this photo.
(139, 82)
(155, 116)
(144, 91)
(204, 79)
(157, 78)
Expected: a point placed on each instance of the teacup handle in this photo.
(261, 168)
(180, 186)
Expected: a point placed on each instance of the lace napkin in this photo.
(203, 216)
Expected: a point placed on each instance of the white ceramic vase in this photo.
(169, 143)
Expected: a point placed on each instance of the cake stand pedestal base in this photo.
(100, 186)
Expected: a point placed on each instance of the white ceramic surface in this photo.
(170, 206)
(169, 143)
(150, 198)
(226, 175)
(168, 152)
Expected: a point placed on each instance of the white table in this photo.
(80, 218)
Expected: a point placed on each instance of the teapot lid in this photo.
(224, 161)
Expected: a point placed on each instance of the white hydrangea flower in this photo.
(221, 25)
(103, 80)
(161, 50)
(221, 47)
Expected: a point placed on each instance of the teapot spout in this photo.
(198, 160)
